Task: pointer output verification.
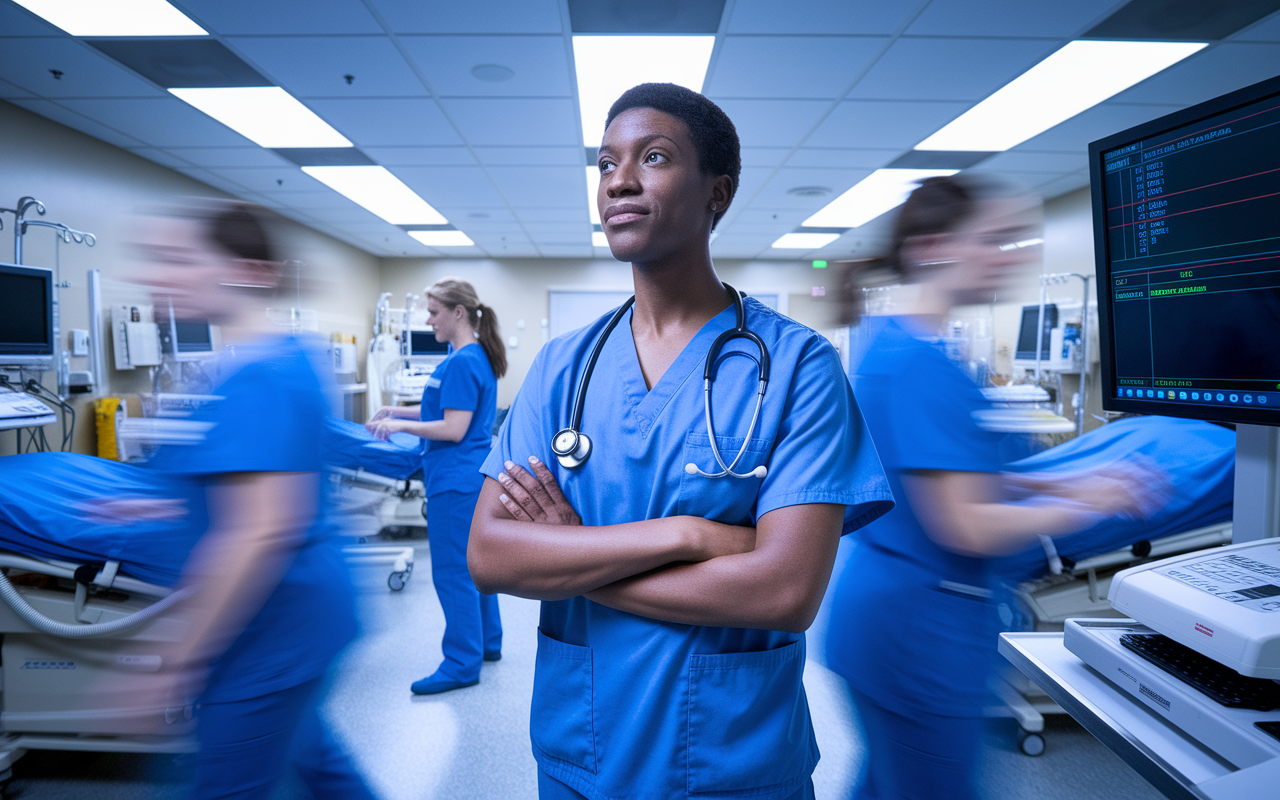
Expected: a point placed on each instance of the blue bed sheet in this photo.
(350, 446)
(1198, 457)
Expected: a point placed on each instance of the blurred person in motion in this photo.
(271, 602)
(912, 628)
(455, 422)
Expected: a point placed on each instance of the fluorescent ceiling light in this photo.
(114, 17)
(442, 238)
(380, 192)
(804, 241)
(1077, 77)
(607, 66)
(266, 115)
(598, 239)
(593, 186)
(872, 196)
(1021, 244)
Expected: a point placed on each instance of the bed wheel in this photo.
(1031, 744)
(397, 580)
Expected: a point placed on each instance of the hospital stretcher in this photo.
(1069, 576)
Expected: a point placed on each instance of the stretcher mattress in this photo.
(1198, 457)
(350, 446)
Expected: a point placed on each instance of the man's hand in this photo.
(536, 497)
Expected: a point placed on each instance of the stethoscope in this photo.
(572, 448)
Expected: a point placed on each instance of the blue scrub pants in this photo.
(471, 623)
(246, 746)
(917, 756)
(551, 789)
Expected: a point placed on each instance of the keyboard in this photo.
(1222, 684)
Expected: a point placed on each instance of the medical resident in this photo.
(272, 604)
(671, 642)
(912, 627)
(455, 421)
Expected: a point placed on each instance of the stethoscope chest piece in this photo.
(572, 448)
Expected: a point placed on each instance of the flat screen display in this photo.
(1187, 231)
(26, 311)
(423, 343)
(193, 336)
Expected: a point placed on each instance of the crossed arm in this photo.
(528, 541)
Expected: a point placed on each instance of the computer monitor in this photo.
(423, 343)
(27, 336)
(1027, 332)
(1187, 235)
(186, 339)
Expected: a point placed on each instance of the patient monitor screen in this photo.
(1190, 262)
(423, 343)
(24, 312)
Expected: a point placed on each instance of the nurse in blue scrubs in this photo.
(912, 627)
(272, 604)
(671, 642)
(455, 421)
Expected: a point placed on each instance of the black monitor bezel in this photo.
(26, 354)
(1106, 338)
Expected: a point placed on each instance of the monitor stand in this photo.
(1257, 494)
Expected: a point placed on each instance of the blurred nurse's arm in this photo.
(530, 542)
(257, 521)
(964, 511)
(450, 429)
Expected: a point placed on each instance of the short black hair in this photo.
(719, 151)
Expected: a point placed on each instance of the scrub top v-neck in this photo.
(626, 706)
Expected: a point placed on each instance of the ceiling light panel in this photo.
(875, 194)
(599, 239)
(114, 17)
(1075, 78)
(377, 190)
(266, 115)
(442, 238)
(593, 188)
(607, 66)
(804, 241)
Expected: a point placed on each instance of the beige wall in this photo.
(517, 289)
(93, 186)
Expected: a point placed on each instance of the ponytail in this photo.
(491, 339)
(453, 292)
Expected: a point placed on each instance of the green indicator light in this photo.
(819, 265)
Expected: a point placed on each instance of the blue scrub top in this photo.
(909, 625)
(626, 706)
(464, 381)
(271, 419)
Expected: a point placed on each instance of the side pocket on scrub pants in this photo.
(728, 499)
(748, 720)
(562, 716)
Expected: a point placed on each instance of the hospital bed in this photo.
(1069, 576)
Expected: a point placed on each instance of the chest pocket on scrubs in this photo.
(728, 499)
(748, 720)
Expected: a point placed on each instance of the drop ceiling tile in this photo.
(1019, 180)
(1207, 74)
(8, 90)
(29, 62)
(1031, 18)
(535, 216)
(750, 182)
(451, 186)
(843, 157)
(566, 251)
(773, 123)
(883, 124)
(950, 69)
(160, 157)
(287, 17)
(552, 187)
(463, 215)
(271, 179)
(1267, 30)
(162, 121)
(65, 116)
(351, 215)
(775, 193)
(477, 16)
(791, 66)
(308, 201)
(539, 65)
(531, 156)
(516, 121)
(764, 156)
(440, 156)
(1060, 186)
(387, 122)
(1074, 135)
(229, 156)
(17, 21)
(819, 17)
(216, 181)
(316, 66)
(1019, 161)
